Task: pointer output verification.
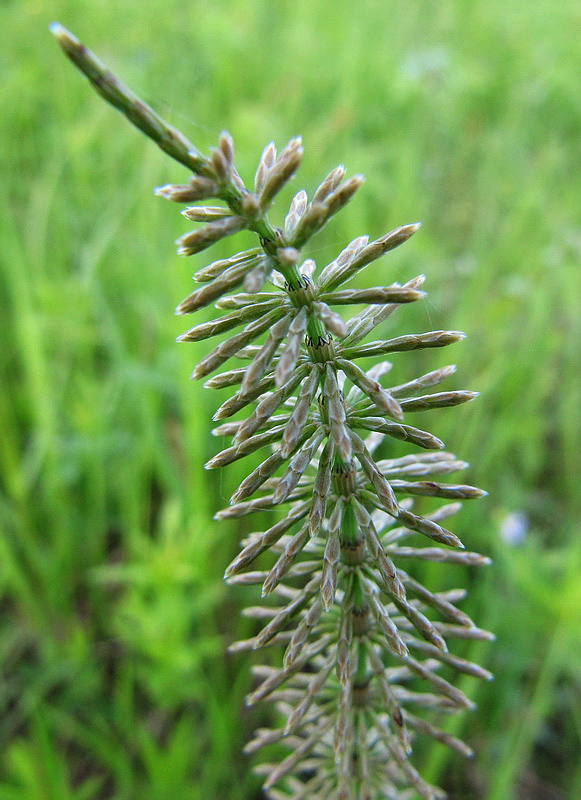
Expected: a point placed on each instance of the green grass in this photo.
(113, 616)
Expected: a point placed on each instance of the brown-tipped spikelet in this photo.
(364, 646)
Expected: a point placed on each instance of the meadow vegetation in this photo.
(114, 617)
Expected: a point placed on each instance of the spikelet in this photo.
(354, 623)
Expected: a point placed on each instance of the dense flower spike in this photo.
(365, 643)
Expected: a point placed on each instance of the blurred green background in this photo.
(113, 616)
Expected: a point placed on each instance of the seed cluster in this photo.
(356, 629)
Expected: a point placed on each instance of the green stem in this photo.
(361, 673)
(168, 138)
(349, 529)
(358, 595)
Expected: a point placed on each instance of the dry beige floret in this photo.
(321, 487)
(206, 330)
(281, 171)
(298, 207)
(263, 358)
(289, 356)
(371, 252)
(372, 388)
(384, 564)
(329, 185)
(297, 466)
(330, 563)
(332, 321)
(410, 341)
(299, 416)
(228, 348)
(268, 405)
(301, 634)
(336, 414)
